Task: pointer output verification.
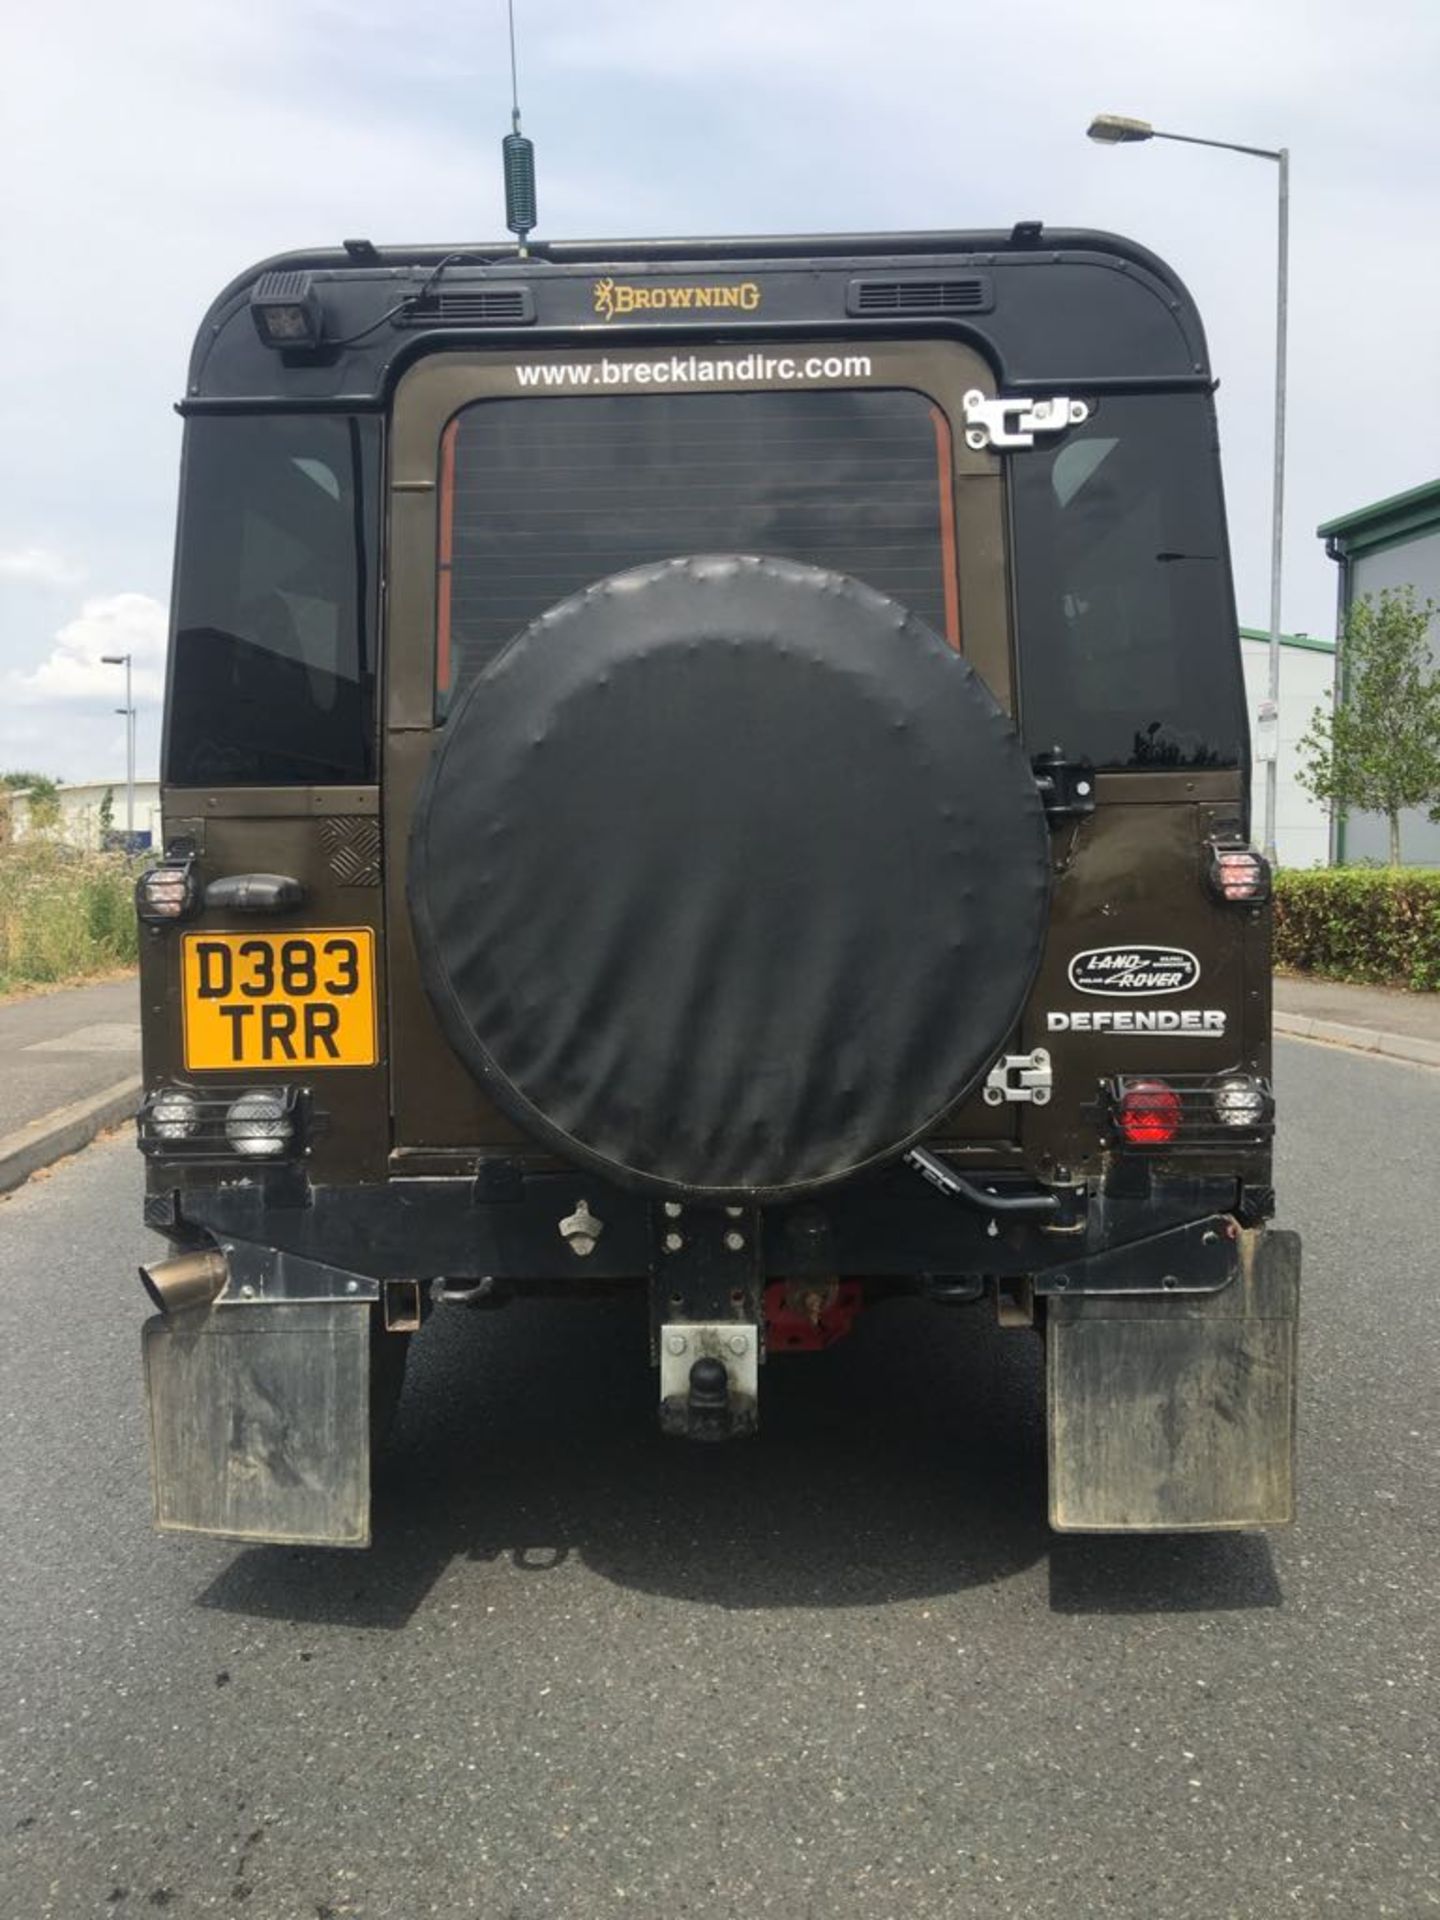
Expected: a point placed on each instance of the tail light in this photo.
(1191, 1112)
(169, 891)
(1239, 874)
(1149, 1113)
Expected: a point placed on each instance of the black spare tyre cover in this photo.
(728, 878)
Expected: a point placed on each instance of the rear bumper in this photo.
(517, 1226)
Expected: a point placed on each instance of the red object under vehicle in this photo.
(804, 1315)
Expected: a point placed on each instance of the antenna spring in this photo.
(519, 156)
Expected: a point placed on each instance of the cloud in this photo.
(195, 136)
(39, 567)
(74, 670)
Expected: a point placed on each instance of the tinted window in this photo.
(1128, 646)
(271, 671)
(541, 497)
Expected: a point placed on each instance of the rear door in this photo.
(516, 482)
(271, 771)
(1128, 656)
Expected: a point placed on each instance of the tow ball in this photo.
(709, 1380)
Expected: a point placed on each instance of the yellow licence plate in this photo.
(280, 999)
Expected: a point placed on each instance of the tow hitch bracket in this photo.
(707, 1277)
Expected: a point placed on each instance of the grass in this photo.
(64, 914)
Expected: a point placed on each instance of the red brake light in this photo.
(1149, 1113)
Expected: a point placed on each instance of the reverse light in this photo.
(174, 1114)
(1240, 1101)
(1238, 873)
(259, 1123)
(287, 312)
(213, 1126)
(1148, 1113)
(168, 891)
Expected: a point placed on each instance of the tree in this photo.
(107, 815)
(1379, 749)
(41, 792)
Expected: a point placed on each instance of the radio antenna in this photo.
(519, 160)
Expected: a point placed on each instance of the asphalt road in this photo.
(842, 1671)
(60, 1047)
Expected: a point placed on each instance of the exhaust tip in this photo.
(186, 1280)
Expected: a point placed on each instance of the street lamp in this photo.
(124, 660)
(1114, 130)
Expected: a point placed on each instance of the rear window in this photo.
(1128, 648)
(538, 498)
(271, 675)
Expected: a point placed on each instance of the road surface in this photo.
(841, 1671)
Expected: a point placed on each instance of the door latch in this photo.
(1020, 1077)
(1013, 420)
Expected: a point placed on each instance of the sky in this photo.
(153, 149)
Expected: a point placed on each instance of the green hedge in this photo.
(1377, 924)
(63, 913)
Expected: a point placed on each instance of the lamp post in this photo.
(124, 660)
(1113, 129)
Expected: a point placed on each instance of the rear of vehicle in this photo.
(717, 768)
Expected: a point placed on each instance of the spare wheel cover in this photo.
(728, 878)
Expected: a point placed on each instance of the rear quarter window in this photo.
(271, 675)
(1128, 647)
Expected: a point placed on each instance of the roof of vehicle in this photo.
(1119, 316)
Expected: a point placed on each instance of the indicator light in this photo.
(1239, 874)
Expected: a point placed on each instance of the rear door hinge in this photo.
(1067, 787)
(1013, 420)
(1020, 1077)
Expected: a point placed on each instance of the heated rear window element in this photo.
(538, 498)
(272, 670)
(1129, 651)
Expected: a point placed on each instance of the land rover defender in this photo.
(716, 767)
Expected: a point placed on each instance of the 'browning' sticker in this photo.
(615, 298)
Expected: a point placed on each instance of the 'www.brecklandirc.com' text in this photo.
(692, 370)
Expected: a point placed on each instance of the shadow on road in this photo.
(904, 1463)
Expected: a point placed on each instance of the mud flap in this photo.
(260, 1422)
(1168, 1414)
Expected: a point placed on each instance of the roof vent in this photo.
(913, 297)
(484, 306)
